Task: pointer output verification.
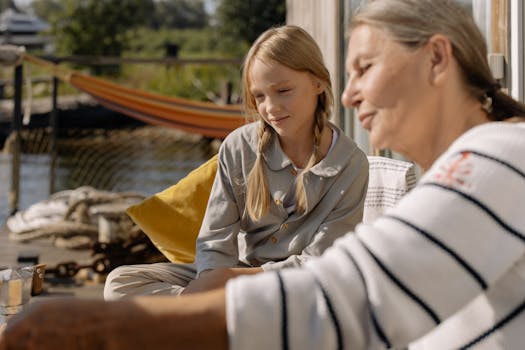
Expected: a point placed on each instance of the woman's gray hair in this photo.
(414, 22)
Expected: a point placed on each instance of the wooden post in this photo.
(499, 28)
(54, 130)
(14, 195)
(226, 92)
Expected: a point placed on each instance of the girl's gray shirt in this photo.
(335, 194)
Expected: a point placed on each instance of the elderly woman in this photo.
(449, 259)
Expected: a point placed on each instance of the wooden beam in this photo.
(500, 34)
(499, 27)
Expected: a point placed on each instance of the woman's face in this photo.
(286, 99)
(388, 85)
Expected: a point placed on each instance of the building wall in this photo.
(324, 21)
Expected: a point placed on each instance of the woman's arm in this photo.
(455, 237)
(192, 322)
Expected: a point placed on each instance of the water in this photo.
(146, 169)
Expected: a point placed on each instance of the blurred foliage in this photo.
(46, 9)
(155, 14)
(144, 28)
(179, 14)
(196, 81)
(246, 19)
(192, 43)
(105, 27)
(96, 27)
(5, 4)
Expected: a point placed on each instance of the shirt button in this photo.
(273, 239)
(278, 201)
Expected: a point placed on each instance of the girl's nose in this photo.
(272, 106)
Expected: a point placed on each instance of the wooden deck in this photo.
(50, 255)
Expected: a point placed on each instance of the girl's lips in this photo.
(278, 120)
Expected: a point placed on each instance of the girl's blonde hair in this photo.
(294, 48)
(414, 22)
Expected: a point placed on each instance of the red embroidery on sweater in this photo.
(456, 171)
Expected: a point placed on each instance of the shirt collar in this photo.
(336, 159)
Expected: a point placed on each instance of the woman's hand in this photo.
(149, 322)
(217, 278)
(59, 324)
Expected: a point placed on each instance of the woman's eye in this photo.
(364, 68)
(282, 91)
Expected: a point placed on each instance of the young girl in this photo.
(286, 186)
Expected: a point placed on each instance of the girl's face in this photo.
(286, 99)
(389, 87)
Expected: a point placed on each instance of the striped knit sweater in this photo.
(449, 259)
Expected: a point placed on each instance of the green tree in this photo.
(246, 19)
(5, 4)
(46, 9)
(98, 27)
(180, 14)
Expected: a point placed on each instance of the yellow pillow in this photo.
(172, 218)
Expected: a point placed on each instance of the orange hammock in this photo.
(203, 118)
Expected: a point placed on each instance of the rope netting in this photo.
(97, 175)
(144, 159)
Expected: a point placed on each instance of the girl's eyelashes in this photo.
(259, 96)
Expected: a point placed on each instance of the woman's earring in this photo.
(487, 104)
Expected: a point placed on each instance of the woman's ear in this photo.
(440, 51)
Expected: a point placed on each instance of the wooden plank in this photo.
(499, 27)
(500, 34)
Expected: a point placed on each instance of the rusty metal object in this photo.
(107, 256)
(38, 279)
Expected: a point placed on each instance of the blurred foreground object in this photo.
(15, 290)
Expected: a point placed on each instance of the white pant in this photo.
(148, 279)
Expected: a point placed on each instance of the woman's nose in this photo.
(350, 95)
